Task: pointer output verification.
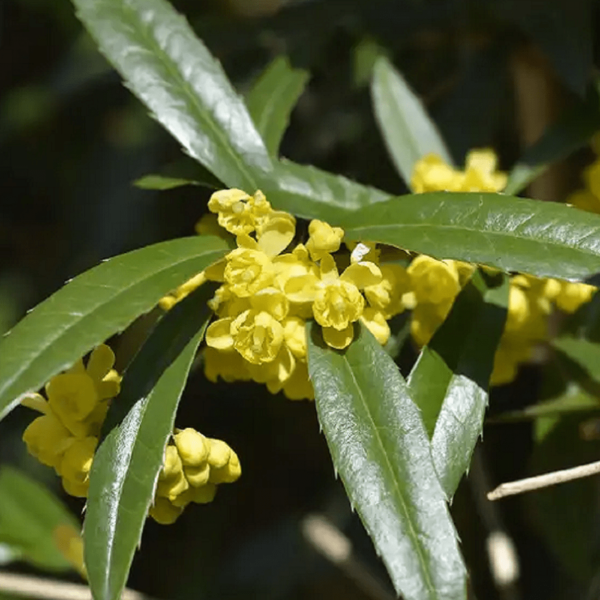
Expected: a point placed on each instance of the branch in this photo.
(543, 481)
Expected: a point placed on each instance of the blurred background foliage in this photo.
(492, 73)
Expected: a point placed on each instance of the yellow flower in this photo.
(228, 365)
(76, 464)
(387, 295)
(375, 322)
(432, 174)
(257, 336)
(238, 212)
(192, 447)
(337, 301)
(323, 239)
(248, 270)
(433, 281)
(171, 479)
(47, 439)
(480, 173)
(164, 511)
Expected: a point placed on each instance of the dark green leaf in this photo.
(571, 132)
(169, 69)
(31, 519)
(161, 183)
(579, 359)
(94, 306)
(407, 130)
(272, 99)
(129, 459)
(514, 234)
(450, 380)
(310, 193)
(382, 453)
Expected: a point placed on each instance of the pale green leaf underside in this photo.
(94, 306)
(169, 69)
(381, 451)
(408, 131)
(514, 234)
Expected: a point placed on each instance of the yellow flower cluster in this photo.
(436, 283)
(66, 435)
(269, 290)
(194, 465)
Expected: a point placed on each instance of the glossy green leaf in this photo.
(572, 131)
(272, 99)
(311, 193)
(31, 520)
(129, 459)
(450, 380)
(161, 182)
(170, 70)
(408, 131)
(382, 453)
(94, 306)
(514, 234)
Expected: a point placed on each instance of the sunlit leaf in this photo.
(161, 182)
(94, 306)
(170, 70)
(382, 453)
(514, 234)
(450, 380)
(129, 459)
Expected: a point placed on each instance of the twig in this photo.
(543, 481)
(50, 589)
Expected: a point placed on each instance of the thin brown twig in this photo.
(543, 481)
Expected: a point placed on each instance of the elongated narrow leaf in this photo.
(514, 234)
(128, 461)
(33, 522)
(450, 380)
(382, 453)
(94, 306)
(310, 193)
(571, 132)
(407, 129)
(169, 69)
(272, 99)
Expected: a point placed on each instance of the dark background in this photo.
(72, 139)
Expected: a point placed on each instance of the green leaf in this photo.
(129, 459)
(94, 306)
(450, 380)
(572, 131)
(574, 400)
(272, 99)
(311, 193)
(31, 521)
(382, 453)
(407, 130)
(545, 239)
(162, 183)
(170, 70)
